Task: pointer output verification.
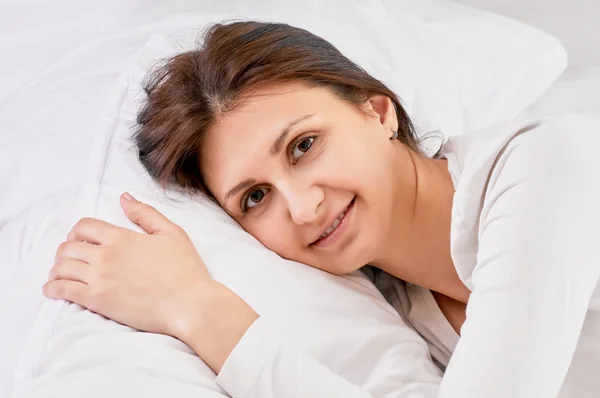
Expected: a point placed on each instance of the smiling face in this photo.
(311, 176)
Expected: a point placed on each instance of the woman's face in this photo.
(313, 178)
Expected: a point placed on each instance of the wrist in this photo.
(215, 320)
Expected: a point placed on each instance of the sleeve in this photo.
(537, 266)
(262, 365)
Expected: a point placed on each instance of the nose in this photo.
(302, 201)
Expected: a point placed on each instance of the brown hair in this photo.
(189, 92)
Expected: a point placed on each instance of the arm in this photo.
(157, 282)
(537, 266)
(253, 361)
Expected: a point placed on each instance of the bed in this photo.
(36, 37)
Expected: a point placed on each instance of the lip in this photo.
(335, 235)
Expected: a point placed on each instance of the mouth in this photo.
(331, 233)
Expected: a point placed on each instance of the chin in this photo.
(341, 267)
(353, 259)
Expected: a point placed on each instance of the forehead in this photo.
(268, 108)
(240, 142)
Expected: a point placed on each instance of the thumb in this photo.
(146, 216)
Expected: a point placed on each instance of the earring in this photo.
(394, 135)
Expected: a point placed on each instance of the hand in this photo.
(153, 282)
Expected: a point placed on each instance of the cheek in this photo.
(360, 165)
(272, 232)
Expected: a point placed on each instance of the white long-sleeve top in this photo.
(525, 236)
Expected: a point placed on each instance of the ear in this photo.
(383, 107)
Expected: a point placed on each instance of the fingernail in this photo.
(129, 197)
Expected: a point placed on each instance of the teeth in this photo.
(327, 231)
(334, 225)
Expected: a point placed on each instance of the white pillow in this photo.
(456, 69)
(343, 322)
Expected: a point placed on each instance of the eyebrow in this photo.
(239, 187)
(278, 144)
(275, 149)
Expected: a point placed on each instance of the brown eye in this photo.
(254, 198)
(301, 147)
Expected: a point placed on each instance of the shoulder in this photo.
(535, 136)
(520, 186)
(551, 148)
(558, 135)
(522, 158)
(543, 170)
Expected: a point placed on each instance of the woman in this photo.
(320, 162)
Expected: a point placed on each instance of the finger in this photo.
(147, 217)
(83, 251)
(68, 290)
(95, 231)
(72, 270)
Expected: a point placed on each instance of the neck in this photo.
(419, 251)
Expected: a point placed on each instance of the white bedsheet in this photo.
(34, 34)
